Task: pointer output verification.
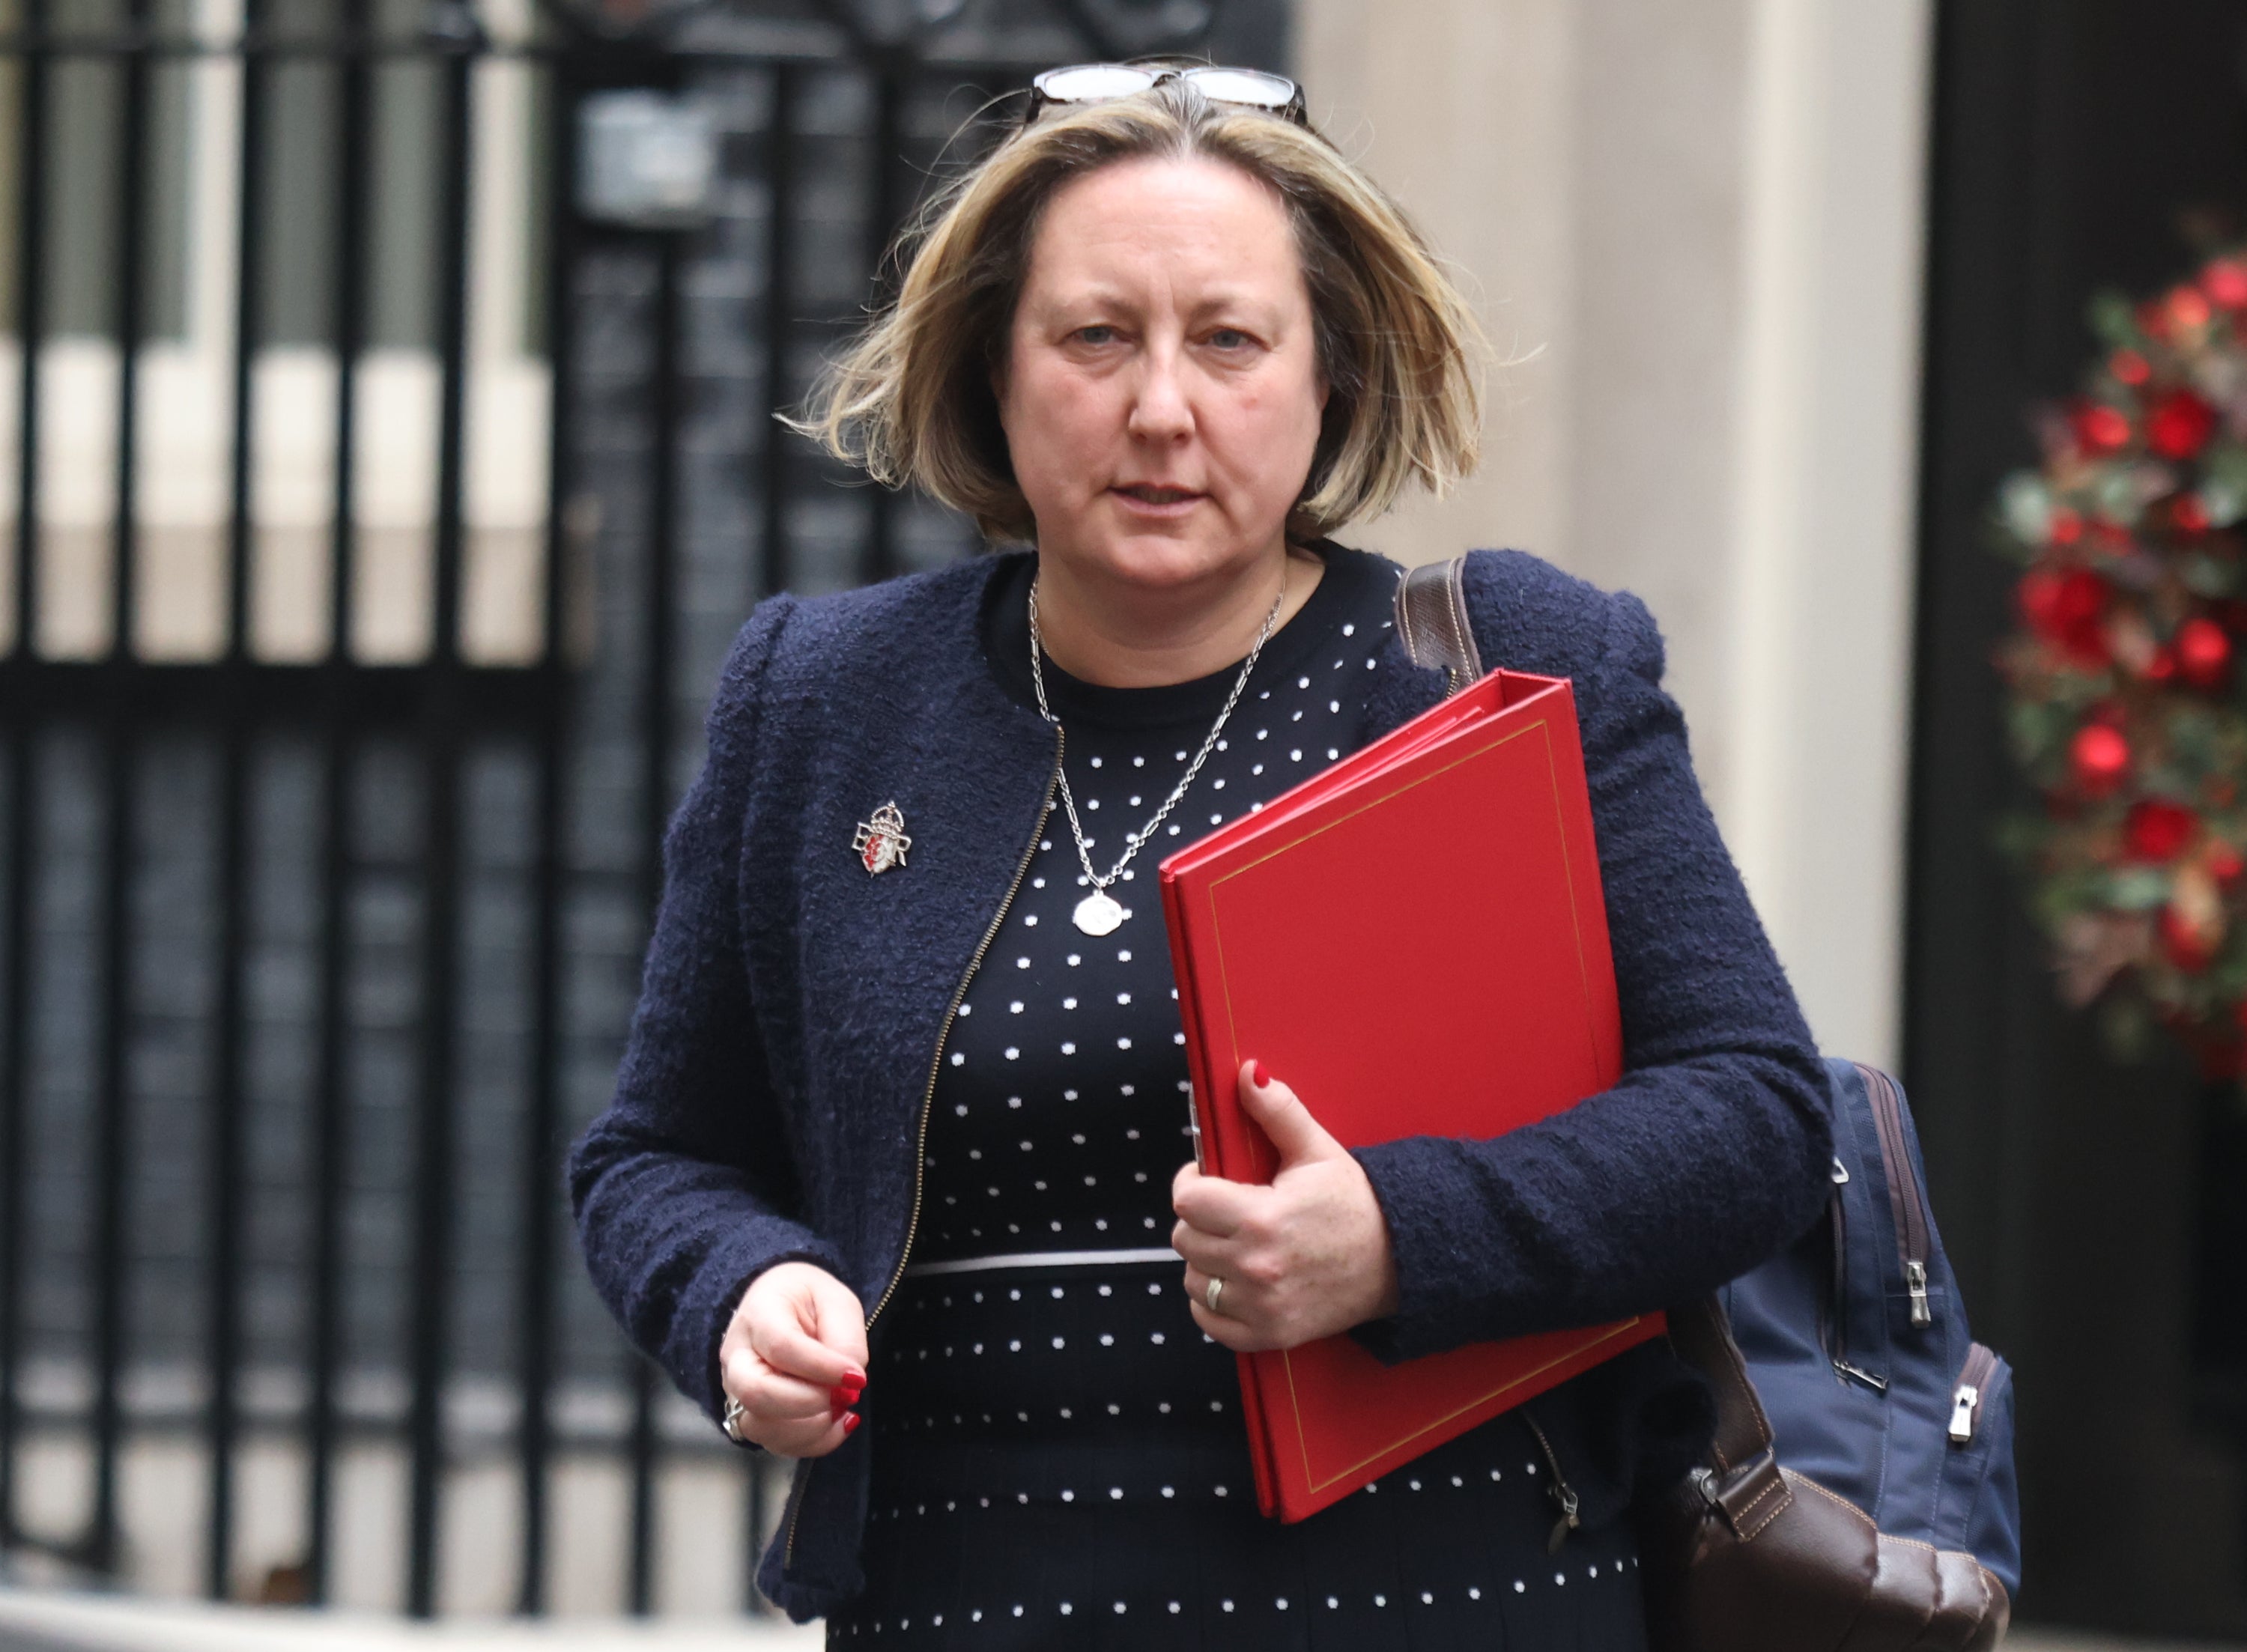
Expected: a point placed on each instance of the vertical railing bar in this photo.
(780, 170)
(541, 1168)
(879, 559)
(228, 1191)
(249, 236)
(112, 1025)
(452, 32)
(655, 792)
(355, 181)
(131, 242)
(752, 1520)
(639, 1581)
(15, 1009)
(112, 1116)
(458, 62)
(14, 1124)
(354, 115)
(433, 1154)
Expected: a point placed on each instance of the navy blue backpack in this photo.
(1860, 1493)
(1859, 1496)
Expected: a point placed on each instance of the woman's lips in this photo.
(1143, 499)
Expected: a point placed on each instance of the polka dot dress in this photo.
(1059, 1458)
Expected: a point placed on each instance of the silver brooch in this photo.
(881, 843)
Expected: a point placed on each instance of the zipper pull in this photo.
(1962, 1414)
(1564, 1495)
(1557, 1488)
(1857, 1373)
(1914, 1281)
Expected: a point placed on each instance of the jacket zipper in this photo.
(1974, 1378)
(928, 1096)
(1904, 1200)
(1563, 1494)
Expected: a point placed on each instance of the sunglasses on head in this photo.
(1086, 83)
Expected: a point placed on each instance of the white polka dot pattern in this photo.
(1051, 1444)
(1059, 1117)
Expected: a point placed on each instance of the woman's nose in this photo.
(1160, 411)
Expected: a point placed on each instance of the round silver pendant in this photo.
(1098, 913)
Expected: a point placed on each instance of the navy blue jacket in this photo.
(792, 1011)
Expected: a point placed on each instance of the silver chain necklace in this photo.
(1100, 912)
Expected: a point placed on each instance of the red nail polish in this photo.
(850, 1421)
(1257, 1075)
(843, 1396)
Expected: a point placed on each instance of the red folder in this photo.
(1415, 940)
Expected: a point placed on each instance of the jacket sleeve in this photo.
(1713, 1151)
(684, 1188)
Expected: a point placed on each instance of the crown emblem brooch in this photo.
(881, 843)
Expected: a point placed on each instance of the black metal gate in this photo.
(390, 384)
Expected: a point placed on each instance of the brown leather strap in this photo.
(1703, 1340)
(1431, 617)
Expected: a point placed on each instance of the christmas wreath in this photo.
(2126, 709)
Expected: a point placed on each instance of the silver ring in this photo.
(1209, 1295)
(735, 1412)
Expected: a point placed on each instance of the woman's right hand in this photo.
(795, 1356)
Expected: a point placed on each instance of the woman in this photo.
(892, 1183)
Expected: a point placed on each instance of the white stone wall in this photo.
(1694, 230)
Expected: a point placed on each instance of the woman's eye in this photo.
(1229, 339)
(1097, 334)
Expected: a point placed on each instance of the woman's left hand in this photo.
(1305, 1258)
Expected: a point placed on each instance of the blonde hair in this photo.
(911, 398)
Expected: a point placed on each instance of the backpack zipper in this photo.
(1981, 1365)
(1905, 1199)
(1836, 1320)
(1563, 1494)
(928, 1096)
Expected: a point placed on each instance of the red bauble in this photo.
(2224, 864)
(2189, 308)
(2066, 527)
(2180, 425)
(2226, 282)
(2162, 665)
(2129, 366)
(2204, 653)
(2157, 830)
(2101, 429)
(2188, 515)
(2098, 757)
(2067, 610)
(2190, 949)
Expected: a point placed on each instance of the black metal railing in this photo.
(313, 956)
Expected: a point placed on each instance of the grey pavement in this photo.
(33, 1622)
(40, 1622)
